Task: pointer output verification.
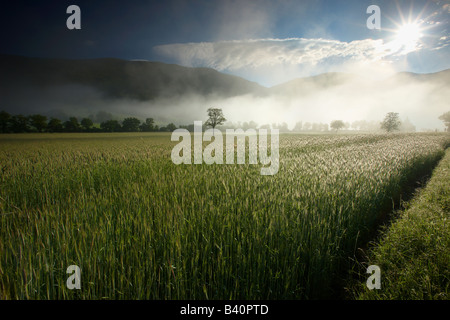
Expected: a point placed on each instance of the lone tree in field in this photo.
(337, 124)
(391, 122)
(216, 118)
(446, 118)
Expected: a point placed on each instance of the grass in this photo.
(413, 253)
(140, 227)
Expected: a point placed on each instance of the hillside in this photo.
(304, 85)
(173, 93)
(115, 78)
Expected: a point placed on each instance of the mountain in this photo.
(172, 93)
(122, 79)
(145, 80)
(438, 78)
(329, 80)
(304, 85)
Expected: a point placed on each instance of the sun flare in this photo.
(409, 33)
(406, 39)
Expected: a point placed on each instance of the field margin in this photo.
(413, 252)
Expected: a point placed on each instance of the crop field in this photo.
(141, 227)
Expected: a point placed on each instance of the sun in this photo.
(409, 34)
(406, 39)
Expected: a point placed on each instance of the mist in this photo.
(353, 99)
(184, 95)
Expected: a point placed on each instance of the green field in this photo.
(414, 252)
(140, 227)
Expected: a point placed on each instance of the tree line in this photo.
(39, 123)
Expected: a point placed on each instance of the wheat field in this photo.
(141, 227)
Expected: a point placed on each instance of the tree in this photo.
(316, 127)
(282, 127)
(171, 127)
(39, 122)
(446, 118)
(407, 126)
(110, 126)
(324, 127)
(307, 126)
(347, 125)
(216, 118)
(130, 124)
(249, 125)
(337, 124)
(4, 121)
(147, 126)
(72, 125)
(87, 124)
(54, 125)
(188, 127)
(19, 123)
(298, 127)
(391, 122)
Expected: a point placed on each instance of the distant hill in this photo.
(115, 78)
(440, 78)
(63, 87)
(303, 85)
(334, 79)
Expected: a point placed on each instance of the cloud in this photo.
(234, 55)
(271, 61)
(438, 21)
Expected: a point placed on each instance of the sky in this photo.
(266, 41)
